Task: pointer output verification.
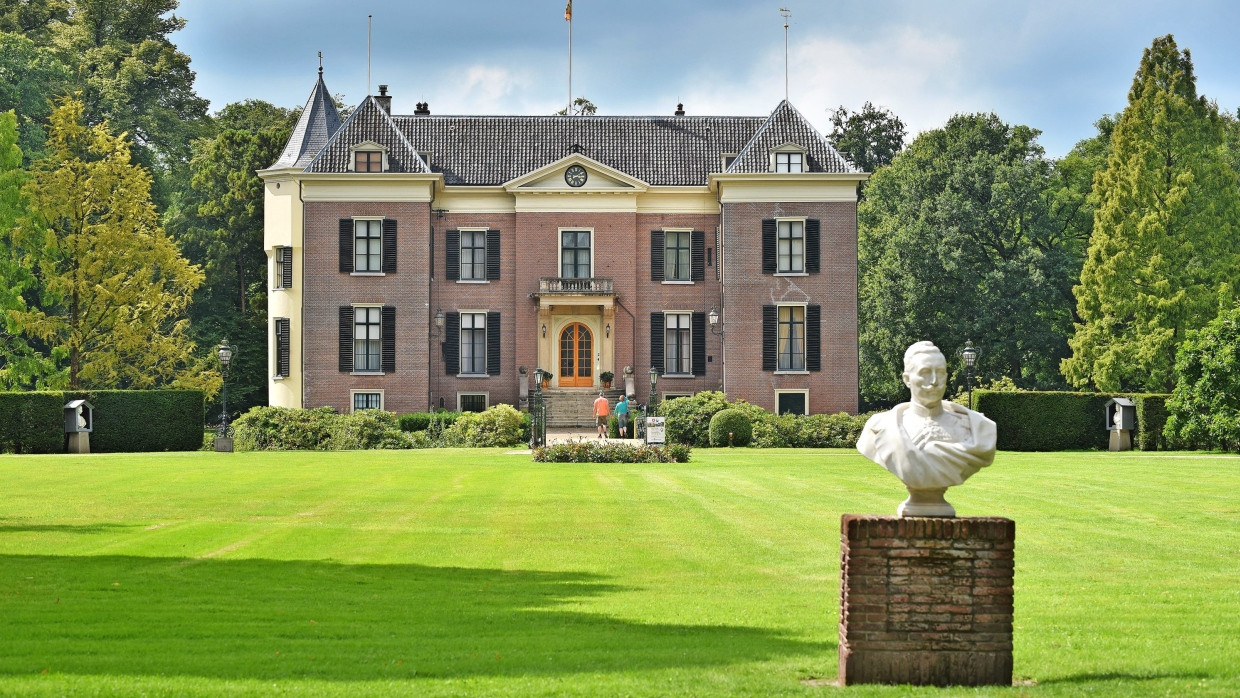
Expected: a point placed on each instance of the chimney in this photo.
(680, 109)
(384, 99)
(423, 109)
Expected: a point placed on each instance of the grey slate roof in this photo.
(369, 122)
(318, 122)
(659, 150)
(786, 125)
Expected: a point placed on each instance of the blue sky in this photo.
(1052, 64)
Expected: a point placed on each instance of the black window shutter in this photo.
(697, 242)
(770, 257)
(813, 241)
(453, 270)
(813, 338)
(699, 343)
(656, 255)
(770, 345)
(286, 258)
(389, 245)
(492, 256)
(282, 340)
(346, 338)
(493, 336)
(346, 245)
(388, 356)
(452, 343)
(656, 341)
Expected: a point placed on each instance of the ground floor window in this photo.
(792, 402)
(673, 396)
(367, 400)
(471, 402)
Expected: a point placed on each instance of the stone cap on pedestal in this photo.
(857, 526)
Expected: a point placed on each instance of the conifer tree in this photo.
(1165, 231)
(113, 287)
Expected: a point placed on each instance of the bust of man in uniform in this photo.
(928, 443)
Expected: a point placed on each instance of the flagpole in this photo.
(568, 14)
(786, 14)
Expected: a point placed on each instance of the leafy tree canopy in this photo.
(870, 138)
(1205, 406)
(959, 239)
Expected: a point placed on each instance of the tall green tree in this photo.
(31, 73)
(1166, 231)
(113, 289)
(131, 75)
(20, 366)
(958, 240)
(869, 138)
(219, 222)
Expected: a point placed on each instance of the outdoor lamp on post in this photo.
(654, 384)
(224, 352)
(969, 354)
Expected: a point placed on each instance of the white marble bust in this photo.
(928, 443)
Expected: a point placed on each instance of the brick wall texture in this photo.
(926, 601)
(529, 246)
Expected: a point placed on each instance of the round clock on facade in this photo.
(575, 176)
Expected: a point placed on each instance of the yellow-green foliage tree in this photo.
(113, 288)
(1166, 232)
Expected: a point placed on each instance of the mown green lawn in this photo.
(479, 572)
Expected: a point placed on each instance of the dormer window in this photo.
(367, 161)
(789, 162)
(368, 157)
(788, 158)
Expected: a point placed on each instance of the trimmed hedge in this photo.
(125, 420)
(421, 421)
(32, 422)
(1063, 421)
(144, 420)
(587, 451)
(1151, 422)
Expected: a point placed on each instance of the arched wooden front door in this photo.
(576, 356)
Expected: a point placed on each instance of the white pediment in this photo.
(600, 179)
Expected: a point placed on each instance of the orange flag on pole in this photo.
(568, 11)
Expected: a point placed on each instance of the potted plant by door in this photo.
(546, 379)
(606, 377)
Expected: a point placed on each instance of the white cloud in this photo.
(913, 73)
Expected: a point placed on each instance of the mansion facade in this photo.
(423, 261)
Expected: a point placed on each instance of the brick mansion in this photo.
(422, 261)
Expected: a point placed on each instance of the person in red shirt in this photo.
(602, 410)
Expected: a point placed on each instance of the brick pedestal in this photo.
(926, 601)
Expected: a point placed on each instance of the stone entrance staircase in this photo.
(568, 407)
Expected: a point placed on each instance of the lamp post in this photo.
(969, 354)
(538, 412)
(654, 386)
(439, 322)
(224, 352)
